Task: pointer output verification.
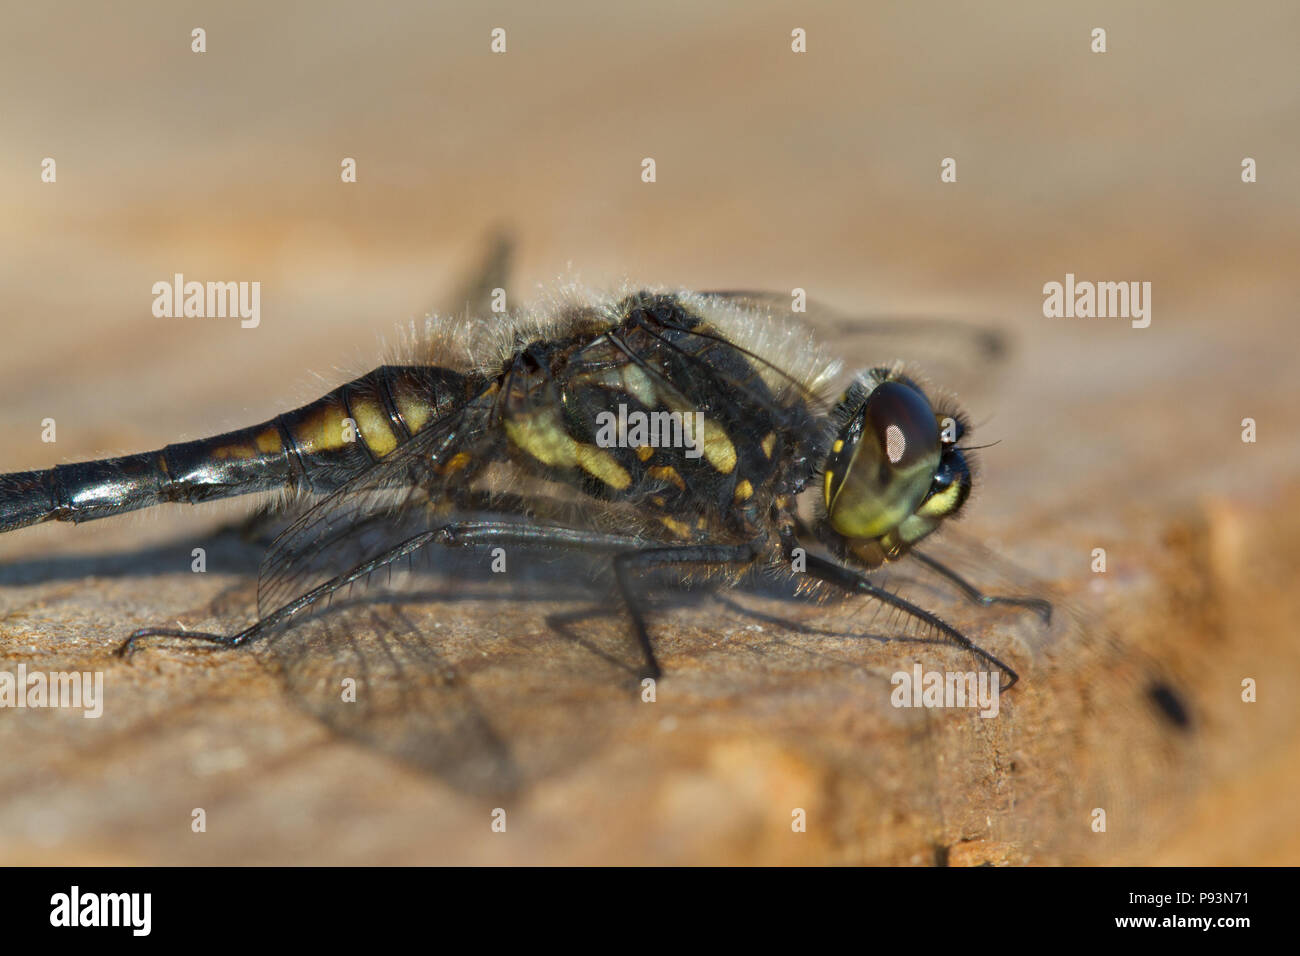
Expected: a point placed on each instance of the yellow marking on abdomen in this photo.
(412, 406)
(322, 430)
(268, 441)
(373, 424)
(235, 451)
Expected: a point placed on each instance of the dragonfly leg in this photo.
(1040, 607)
(287, 611)
(857, 583)
(630, 554)
(648, 558)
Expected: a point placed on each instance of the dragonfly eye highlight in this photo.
(883, 463)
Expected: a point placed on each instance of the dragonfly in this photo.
(489, 449)
(485, 443)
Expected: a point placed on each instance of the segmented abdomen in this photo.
(314, 448)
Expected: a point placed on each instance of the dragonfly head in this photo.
(894, 470)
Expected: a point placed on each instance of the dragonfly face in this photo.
(894, 471)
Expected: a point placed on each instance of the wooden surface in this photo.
(774, 171)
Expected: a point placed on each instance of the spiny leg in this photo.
(286, 611)
(454, 534)
(630, 552)
(1040, 607)
(857, 583)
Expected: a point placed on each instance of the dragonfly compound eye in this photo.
(884, 462)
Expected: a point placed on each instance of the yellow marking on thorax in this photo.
(373, 424)
(542, 437)
(645, 452)
(744, 490)
(718, 449)
(601, 464)
(667, 473)
(679, 528)
(454, 464)
(543, 440)
(769, 444)
(638, 384)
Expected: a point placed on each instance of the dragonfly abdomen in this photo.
(315, 448)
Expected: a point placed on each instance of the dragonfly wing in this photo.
(372, 512)
(958, 354)
(461, 678)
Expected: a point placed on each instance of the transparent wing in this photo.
(371, 513)
(957, 355)
(447, 664)
(462, 675)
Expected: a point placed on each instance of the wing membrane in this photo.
(957, 354)
(372, 512)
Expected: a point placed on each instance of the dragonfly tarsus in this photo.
(630, 554)
(857, 583)
(1039, 606)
